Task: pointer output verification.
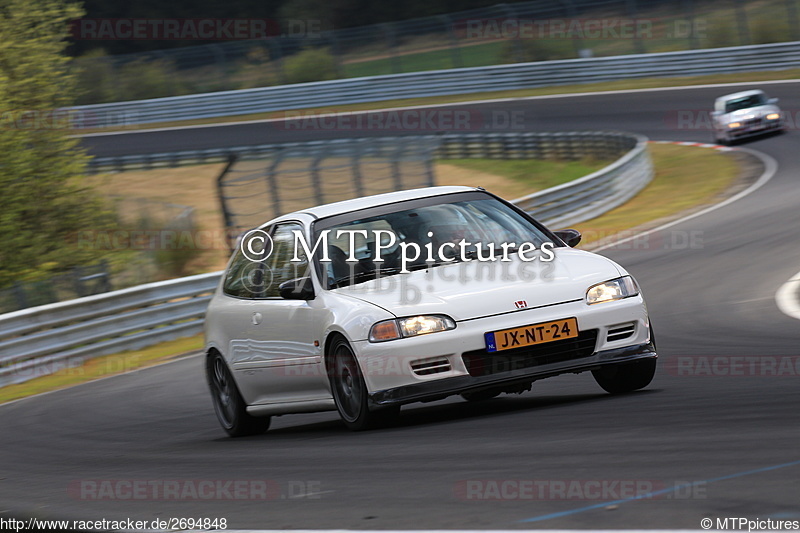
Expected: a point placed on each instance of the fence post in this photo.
(637, 39)
(455, 52)
(577, 40)
(19, 295)
(277, 56)
(272, 182)
(358, 181)
(791, 16)
(741, 20)
(315, 181)
(219, 55)
(336, 53)
(688, 8)
(391, 44)
(516, 43)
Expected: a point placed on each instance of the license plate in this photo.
(506, 339)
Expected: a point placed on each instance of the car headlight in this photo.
(616, 289)
(412, 326)
(773, 116)
(734, 124)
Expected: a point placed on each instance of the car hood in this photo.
(752, 112)
(474, 289)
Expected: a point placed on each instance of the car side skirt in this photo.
(285, 408)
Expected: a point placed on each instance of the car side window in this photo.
(243, 277)
(279, 267)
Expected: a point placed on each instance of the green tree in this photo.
(43, 204)
(313, 64)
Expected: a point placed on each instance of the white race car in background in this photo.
(368, 329)
(745, 114)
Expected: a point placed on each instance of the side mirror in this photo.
(772, 101)
(297, 289)
(570, 236)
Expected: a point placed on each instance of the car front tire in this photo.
(627, 377)
(229, 405)
(350, 390)
(481, 395)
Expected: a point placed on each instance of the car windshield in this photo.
(745, 103)
(363, 248)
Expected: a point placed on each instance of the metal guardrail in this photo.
(597, 193)
(507, 145)
(41, 340)
(442, 82)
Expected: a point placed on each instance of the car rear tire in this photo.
(229, 405)
(350, 391)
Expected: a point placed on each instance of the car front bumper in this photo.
(755, 129)
(437, 365)
(434, 390)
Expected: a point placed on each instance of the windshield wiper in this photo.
(361, 277)
(473, 254)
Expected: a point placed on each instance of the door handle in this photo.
(257, 318)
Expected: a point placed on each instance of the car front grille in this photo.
(483, 363)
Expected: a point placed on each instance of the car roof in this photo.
(356, 204)
(741, 94)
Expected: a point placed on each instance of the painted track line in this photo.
(787, 297)
(659, 492)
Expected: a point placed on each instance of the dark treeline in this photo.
(333, 14)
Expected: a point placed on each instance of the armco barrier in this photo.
(506, 145)
(41, 340)
(440, 82)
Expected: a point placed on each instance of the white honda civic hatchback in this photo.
(365, 305)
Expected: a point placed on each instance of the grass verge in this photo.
(687, 178)
(513, 178)
(103, 366)
(643, 83)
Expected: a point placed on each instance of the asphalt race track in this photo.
(733, 438)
